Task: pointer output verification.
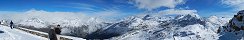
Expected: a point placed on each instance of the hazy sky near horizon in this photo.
(125, 7)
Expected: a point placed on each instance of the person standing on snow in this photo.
(11, 24)
(52, 34)
(57, 29)
(53, 31)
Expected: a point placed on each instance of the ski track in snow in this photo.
(15, 34)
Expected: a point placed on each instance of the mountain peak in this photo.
(188, 16)
(188, 19)
(213, 18)
(241, 12)
(146, 17)
(34, 20)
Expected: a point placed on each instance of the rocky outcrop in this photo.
(234, 29)
(236, 23)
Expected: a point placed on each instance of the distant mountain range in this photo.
(147, 27)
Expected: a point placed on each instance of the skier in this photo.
(11, 24)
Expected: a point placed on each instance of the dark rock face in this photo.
(113, 30)
(147, 17)
(1, 31)
(235, 22)
(232, 31)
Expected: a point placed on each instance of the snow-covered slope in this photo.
(81, 27)
(188, 19)
(69, 23)
(147, 27)
(35, 22)
(182, 27)
(15, 34)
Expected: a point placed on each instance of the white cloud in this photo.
(106, 13)
(177, 11)
(228, 14)
(53, 17)
(237, 4)
(83, 6)
(44, 15)
(154, 4)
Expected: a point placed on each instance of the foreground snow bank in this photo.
(43, 34)
(15, 34)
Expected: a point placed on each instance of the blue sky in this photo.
(203, 7)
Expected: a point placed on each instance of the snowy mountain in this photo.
(147, 27)
(182, 27)
(234, 28)
(81, 28)
(69, 22)
(188, 19)
(35, 22)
